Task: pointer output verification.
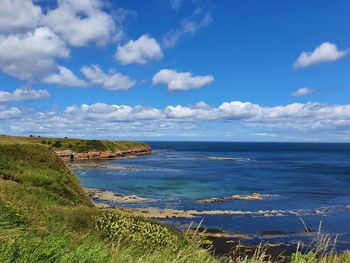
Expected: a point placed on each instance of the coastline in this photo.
(104, 155)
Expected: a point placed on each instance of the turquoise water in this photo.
(304, 177)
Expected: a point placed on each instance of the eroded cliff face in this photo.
(90, 155)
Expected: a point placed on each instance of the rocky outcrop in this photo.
(253, 196)
(66, 154)
(103, 195)
(91, 155)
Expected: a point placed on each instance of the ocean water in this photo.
(312, 179)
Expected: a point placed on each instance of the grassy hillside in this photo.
(76, 145)
(45, 216)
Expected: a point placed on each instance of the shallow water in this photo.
(304, 176)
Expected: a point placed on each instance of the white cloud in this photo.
(303, 92)
(177, 81)
(65, 77)
(80, 22)
(109, 81)
(101, 119)
(23, 94)
(188, 26)
(113, 113)
(18, 14)
(326, 52)
(9, 113)
(201, 104)
(30, 55)
(140, 51)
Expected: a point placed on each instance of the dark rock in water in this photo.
(252, 196)
(225, 247)
(274, 233)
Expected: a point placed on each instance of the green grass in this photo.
(45, 216)
(76, 145)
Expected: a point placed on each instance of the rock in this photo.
(94, 155)
(103, 195)
(82, 156)
(107, 154)
(66, 154)
(135, 151)
(224, 158)
(253, 196)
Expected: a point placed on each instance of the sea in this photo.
(309, 184)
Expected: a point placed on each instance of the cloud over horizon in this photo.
(102, 118)
(22, 94)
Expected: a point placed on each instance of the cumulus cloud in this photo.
(23, 94)
(80, 22)
(102, 119)
(29, 55)
(326, 52)
(140, 51)
(65, 77)
(114, 113)
(110, 81)
(303, 92)
(188, 26)
(18, 14)
(9, 113)
(179, 81)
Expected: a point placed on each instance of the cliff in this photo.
(90, 155)
(71, 148)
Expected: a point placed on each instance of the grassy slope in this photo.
(46, 217)
(76, 145)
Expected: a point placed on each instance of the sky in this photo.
(205, 70)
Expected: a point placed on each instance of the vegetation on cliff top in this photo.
(76, 145)
(45, 216)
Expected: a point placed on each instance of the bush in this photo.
(57, 144)
(151, 235)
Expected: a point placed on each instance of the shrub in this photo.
(151, 235)
(57, 144)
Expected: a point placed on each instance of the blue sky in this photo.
(176, 70)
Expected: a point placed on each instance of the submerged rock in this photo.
(224, 158)
(253, 196)
(102, 195)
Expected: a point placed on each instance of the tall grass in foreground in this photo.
(320, 249)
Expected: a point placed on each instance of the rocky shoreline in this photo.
(97, 164)
(104, 155)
